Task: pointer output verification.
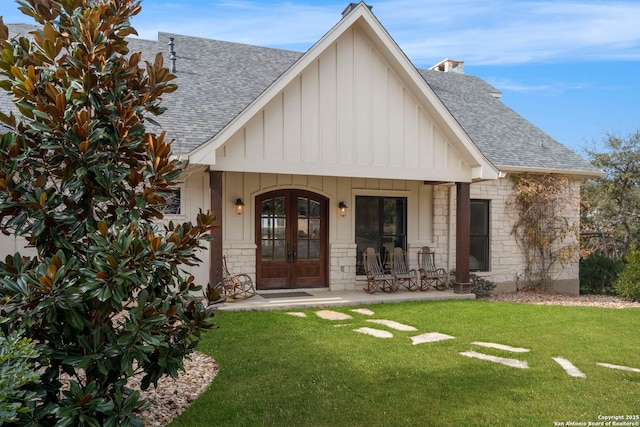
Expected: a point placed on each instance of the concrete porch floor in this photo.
(320, 298)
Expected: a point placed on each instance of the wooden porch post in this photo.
(462, 282)
(215, 250)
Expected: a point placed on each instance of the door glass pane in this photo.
(303, 251)
(314, 228)
(367, 227)
(380, 224)
(303, 207)
(303, 228)
(279, 252)
(267, 207)
(267, 228)
(280, 228)
(273, 229)
(267, 250)
(278, 206)
(314, 209)
(314, 249)
(393, 218)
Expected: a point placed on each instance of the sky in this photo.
(571, 67)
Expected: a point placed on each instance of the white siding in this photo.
(348, 113)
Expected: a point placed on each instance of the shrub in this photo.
(628, 284)
(598, 273)
(16, 371)
(481, 286)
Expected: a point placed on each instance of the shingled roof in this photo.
(217, 80)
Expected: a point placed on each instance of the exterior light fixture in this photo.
(342, 207)
(239, 206)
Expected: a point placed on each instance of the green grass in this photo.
(280, 370)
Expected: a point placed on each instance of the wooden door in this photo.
(291, 236)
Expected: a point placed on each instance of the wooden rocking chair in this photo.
(377, 277)
(236, 285)
(430, 275)
(408, 277)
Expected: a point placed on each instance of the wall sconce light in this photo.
(239, 206)
(342, 207)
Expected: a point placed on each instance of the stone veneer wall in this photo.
(241, 258)
(506, 259)
(342, 266)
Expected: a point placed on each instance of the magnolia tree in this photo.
(103, 295)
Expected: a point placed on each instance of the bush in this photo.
(598, 273)
(16, 370)
(628, 284)
(481, 287)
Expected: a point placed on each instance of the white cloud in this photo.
(490, 32)
(513, 32)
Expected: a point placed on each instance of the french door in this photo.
(291, 237)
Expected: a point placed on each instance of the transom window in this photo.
(381, 223)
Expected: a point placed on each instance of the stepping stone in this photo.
(430, 337)
(297, 314)
(569, 367)
(501, 347)
(364, 311)
(620, 367)
(374, 332)
(332, 315)
(514, 363)
(393, 325)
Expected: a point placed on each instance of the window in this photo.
(174, 202)
(479, 243)
(381, 223)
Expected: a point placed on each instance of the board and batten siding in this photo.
(348, 113)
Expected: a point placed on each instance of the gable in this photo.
(353, 105)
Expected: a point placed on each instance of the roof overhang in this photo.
(578, 174)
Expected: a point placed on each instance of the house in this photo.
(310, 158)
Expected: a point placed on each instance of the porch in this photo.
(305, 298)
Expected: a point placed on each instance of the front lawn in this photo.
(281, 370)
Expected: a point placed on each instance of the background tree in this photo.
(612, 203)
(104, 297)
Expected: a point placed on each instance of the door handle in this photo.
(291, 253)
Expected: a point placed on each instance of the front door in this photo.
(291, 236)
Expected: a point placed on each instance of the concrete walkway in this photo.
(285, 299)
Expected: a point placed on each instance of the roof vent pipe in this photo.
(172, 55)
(352, 6)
